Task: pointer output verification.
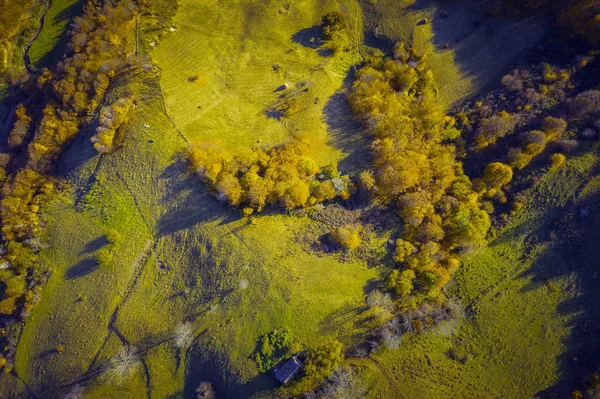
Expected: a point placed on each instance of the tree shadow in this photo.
(190, 202)
(78, 153)
(309, 37)
(484, 47)
(82, 268)
(205, 365)
(347, 134)
(57, 52)
(573, 262)
(95, 245)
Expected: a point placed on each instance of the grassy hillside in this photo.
(524, 296)
(184, 257)
(48, 47)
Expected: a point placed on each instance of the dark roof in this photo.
(288, 370)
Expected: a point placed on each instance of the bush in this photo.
(586, 106)
(274, 346)
(7, 306)
(334, 27)
(557, 161)
(104, 256)
(15, 286)
(494, 128)
(324, 360)
(205, 391)
(348, 236)
(554, 127)
(401, 282)
(497, 175)
(333, 23)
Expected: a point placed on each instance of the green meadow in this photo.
(184, 257)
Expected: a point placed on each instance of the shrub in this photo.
(557, 160)
(348, 236)
(494, 128)
(497, 175)
(60, 348)
(273, 346)
(554, 127)
(333, 23)
(586, 106)
(7, 306)
(104, 256)
(401, 282)
(324, 360)
(205, 391)
(15, 286)
(512, 83)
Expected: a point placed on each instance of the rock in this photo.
(172, 29)
(423, 22)
(146, 126)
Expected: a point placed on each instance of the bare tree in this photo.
(75, 393)
(205, 391)
(183, 335)
(122, 365)
(343, 384)
(378, 299)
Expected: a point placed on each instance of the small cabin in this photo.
(288, 370)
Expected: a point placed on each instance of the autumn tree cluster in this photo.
(284, 175)
(415, 167)
(110, 120)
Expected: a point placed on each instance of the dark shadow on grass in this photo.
(484, 47)
(190, 202)
(95, 244)
(81, 269)
(571, 266)
(309, 37)
(204, 365)
(54, 55)
(345, 131)
(76, 154)
(46, 353)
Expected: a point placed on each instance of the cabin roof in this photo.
(289, 369)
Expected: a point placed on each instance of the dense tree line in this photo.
(539, 112)
(284, 175)
(58, 104)
(415, 167)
